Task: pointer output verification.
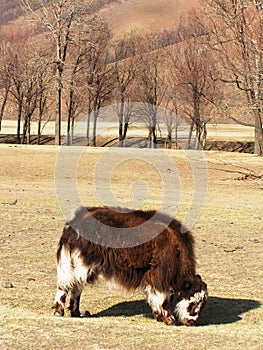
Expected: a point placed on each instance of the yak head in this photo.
(187, 303)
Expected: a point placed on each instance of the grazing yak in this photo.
(139, 249)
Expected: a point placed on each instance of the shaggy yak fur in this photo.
(136, 249)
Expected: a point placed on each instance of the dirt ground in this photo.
(220, 196)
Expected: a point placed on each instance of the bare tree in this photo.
(27, 74)
(99, 82)
(88, 50)
(5, 83)
(75, 80)
(151, 83)
(101, 94)
(60, 18)
(45, 99)
(236, 29)
(25, 90)
(171, 117)
(18, 41)
(74, 99)
(193, 72)
(124, 72)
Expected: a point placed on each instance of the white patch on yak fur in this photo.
(64, 270)
(156, 300)
(113, 284)
(80, 271)
(71, 270)
(58, 298)
(181, 308)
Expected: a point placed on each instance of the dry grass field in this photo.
(228, 233)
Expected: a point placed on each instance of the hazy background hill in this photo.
(124, 15)
(9, 10)
(145, 14)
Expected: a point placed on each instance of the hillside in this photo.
(145, 14)
(9, 10)
(124, 15)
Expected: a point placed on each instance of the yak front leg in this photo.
(74, 301)
(60, 300)
(160, 306)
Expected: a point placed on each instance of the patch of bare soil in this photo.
(222, 190)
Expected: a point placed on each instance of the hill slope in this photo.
(145, 14)
(9, 10)
(124, 15)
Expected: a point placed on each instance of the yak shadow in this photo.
(217, 310)
(225, 310)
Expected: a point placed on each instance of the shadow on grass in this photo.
(217, 310)
(225, 310)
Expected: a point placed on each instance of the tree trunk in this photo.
(153, 129)
(70, 115)
(68, 131)
(176, 129)
(258, 147)
(204, 136)
(58, 107)
(39, 129)
(72, 130)
(169, 140)
(41, 109)
(88, 128)
(94, 134)
(153, 139)
(3, 107)
(126, 125)
(121, 117)
(190, 135)
(198, 137)
(150, 138)
(169, 124)
(19, 114)
(120, 134)
(25, 129)
(28, 131)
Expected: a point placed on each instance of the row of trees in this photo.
(72, 67)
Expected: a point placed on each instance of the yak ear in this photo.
(203, 284)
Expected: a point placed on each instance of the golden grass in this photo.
(228, 246)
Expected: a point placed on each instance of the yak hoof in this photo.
(58, 313)
(169, 320)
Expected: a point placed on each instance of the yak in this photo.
(145, 250)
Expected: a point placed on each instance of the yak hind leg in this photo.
(160, 306)
(65, 280)
(83, 276)
(73, 275)
(60, 300)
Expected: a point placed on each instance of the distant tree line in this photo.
(65, 64)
